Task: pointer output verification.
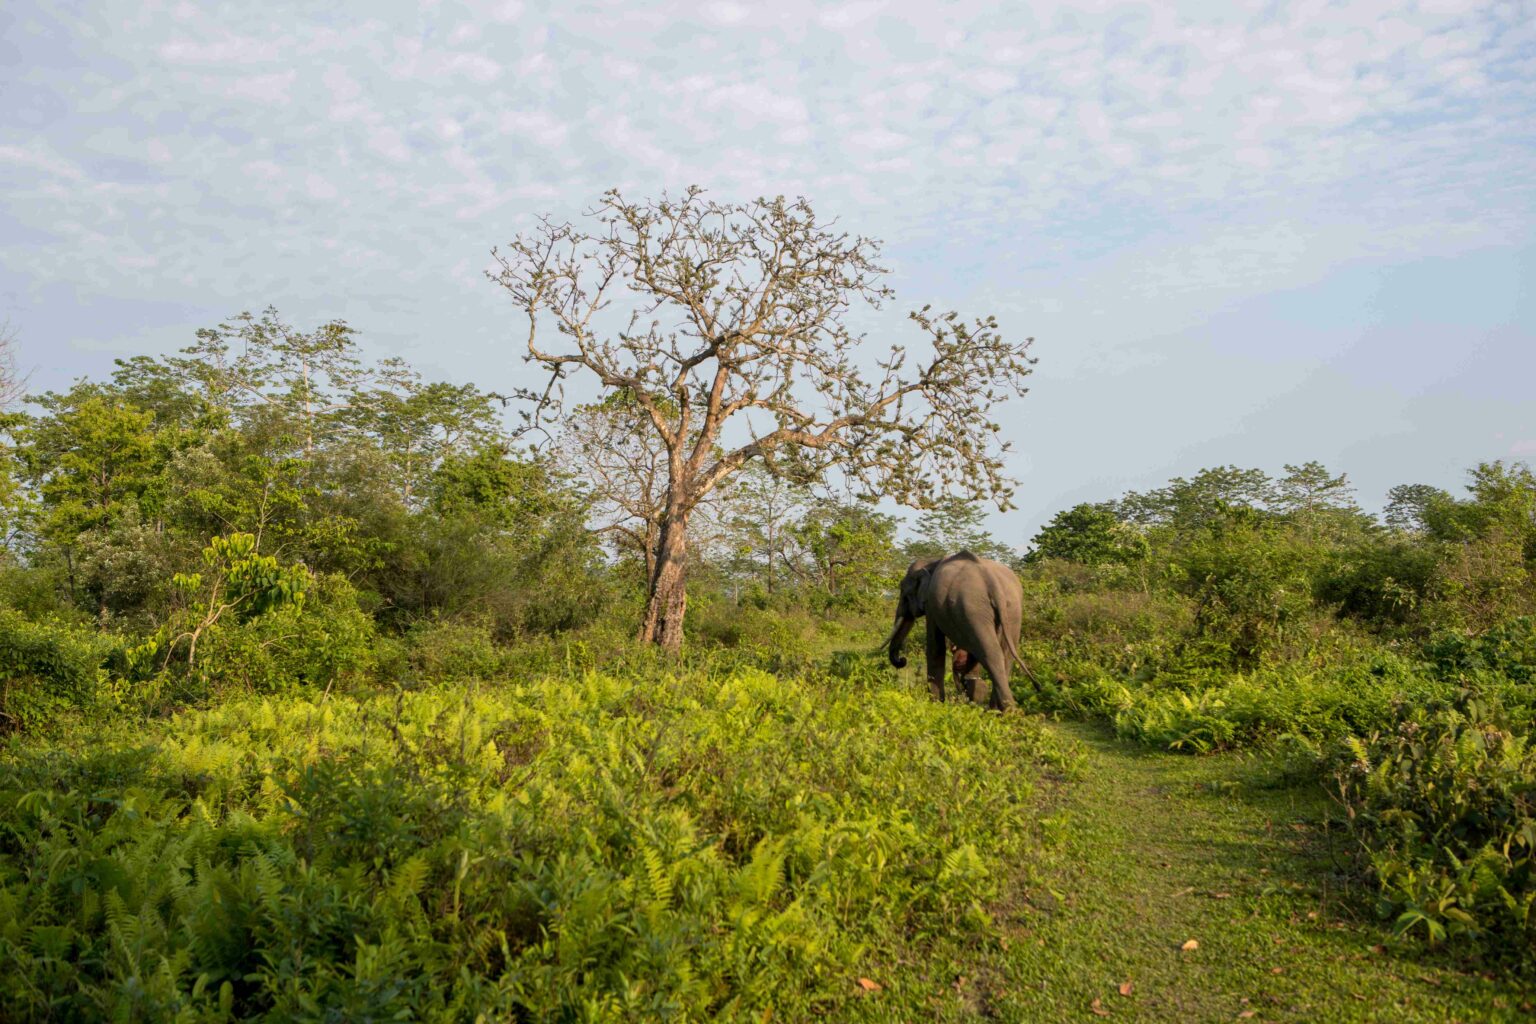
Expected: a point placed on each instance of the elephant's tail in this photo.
(1014, 654)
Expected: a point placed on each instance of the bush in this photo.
(1188, 705)
(1443, 803)
(1383, 583)
(325, 641)
(1508, 649)
(452, 650)
(47, 668)
(779, 641)
(1251, 586)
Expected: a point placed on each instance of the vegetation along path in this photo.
(1155, 852)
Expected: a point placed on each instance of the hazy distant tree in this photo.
(1408, 504)
(416, 425)
(846, 549)
(727, 324)
(619, 460)
(1191, 504)
(757, 511)
(1310, 488)
(951, 525)
(262, 364)
(12, 390)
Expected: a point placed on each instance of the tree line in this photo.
(1263, 564)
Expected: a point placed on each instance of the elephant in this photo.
(966, 669)
(974, 604)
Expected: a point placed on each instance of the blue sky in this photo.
(1253, 233)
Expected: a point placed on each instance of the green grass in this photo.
(1154, 849)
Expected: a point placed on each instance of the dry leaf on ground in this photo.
(870, 986)
(1125, 988)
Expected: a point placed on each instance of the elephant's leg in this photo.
(936, 659)
(967, 673)
(995, 660)
(978, 689)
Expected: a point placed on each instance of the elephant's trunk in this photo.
(898, 639)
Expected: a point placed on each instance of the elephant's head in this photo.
(909, 607)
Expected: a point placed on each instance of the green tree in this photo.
(1194, 504)
(1488, 568)
(502, 537)
(955, 524)
(1309, 489)
(416, 425)
(1089, 534)
(235, 585)
(1410, 506)
(758, 514)
(848, 550)
(89, 460)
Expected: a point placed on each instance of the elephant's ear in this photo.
(919, 598)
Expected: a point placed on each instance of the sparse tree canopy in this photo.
(728, 324)
(1408, 505)
(1310, 488)
(1193, 504)
(13, 383)
(623, 467)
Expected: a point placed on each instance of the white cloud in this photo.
(273, 88)
(848, 15)
(37, 157)
(1178, 157)
(726, 13)
(319, 188)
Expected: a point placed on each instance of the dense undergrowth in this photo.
(1424, 743)
(581, 847)
(1445, 803)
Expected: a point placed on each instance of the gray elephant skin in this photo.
(975, 604)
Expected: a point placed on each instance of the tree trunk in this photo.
(650, 551)
(669, 587)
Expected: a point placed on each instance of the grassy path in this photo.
(1154, 849)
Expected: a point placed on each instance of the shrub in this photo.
(47, 668)
(1251, 586)
(1443, 805)
(1383, 583)
(1508, 649)
(452, 650)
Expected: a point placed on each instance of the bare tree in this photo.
(736, 347)
(623, 467)
(13, 383)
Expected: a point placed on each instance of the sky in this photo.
(1247, 233)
